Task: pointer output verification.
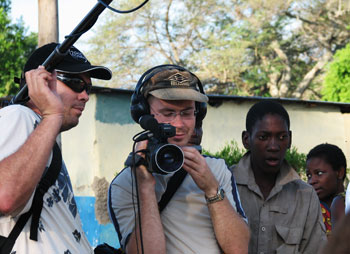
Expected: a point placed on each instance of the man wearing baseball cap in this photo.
(204, 214)
(28, 152)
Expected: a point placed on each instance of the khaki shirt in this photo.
(288, 221)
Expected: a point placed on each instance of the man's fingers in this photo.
(42, 90)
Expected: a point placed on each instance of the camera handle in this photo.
(144, 136)
(135, 160)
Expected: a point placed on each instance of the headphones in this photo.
(139, 105)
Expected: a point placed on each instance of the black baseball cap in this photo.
(74, 62)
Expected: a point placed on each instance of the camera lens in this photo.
(169, 158)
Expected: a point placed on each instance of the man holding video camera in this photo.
(204, 215)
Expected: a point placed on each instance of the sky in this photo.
(70, 13)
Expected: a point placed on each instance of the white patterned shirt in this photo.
(60, 229)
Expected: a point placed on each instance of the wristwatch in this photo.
(220, 195)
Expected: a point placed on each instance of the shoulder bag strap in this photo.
(44, 184)
(7, 243)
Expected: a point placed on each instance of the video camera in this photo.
(161, 157)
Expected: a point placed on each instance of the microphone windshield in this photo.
(149, 123)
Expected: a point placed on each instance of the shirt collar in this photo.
(245, 173)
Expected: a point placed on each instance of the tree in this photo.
(161, 32)
(254, 47)
(15, 47)
(337, 80)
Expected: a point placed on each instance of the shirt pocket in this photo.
(291, 239)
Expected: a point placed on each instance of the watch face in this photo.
(222, 194)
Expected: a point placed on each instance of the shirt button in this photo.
(263, 229)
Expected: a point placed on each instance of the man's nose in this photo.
(83, 96)
(177, 121)
(273, 144)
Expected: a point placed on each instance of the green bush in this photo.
(231, 153)
(336, 85)
(297, 161)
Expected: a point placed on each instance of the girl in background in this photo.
(325, 171)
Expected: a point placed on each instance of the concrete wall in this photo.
(311, 124)
(99, 145)
(96, 149)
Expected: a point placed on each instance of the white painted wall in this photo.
(95, 148)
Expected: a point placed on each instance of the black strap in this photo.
(44, 184)
(173, 184)
(6, 244)
(107, 249)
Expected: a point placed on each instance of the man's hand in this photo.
(42, 90)
(230, 230)
(145, 178)
(196, 165)
(152, 229)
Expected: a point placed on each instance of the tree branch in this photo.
(288, 14)
(305, 83)
(287, 73)
(168, 35)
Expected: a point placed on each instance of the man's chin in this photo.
(70, 125)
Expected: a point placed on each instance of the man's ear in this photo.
(246, 139)
(290, 140)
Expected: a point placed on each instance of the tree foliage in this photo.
(254, 47)
(337, 80)
(15, 47)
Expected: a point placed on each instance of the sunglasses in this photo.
(76, 84)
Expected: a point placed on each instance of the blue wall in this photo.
(96, 233)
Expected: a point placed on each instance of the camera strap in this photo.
(173, 184)
(50, 177)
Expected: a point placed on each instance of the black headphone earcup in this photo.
(201, 113)
(138, 107)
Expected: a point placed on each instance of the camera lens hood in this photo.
(168, 158)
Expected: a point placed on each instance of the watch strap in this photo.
(220, 195)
